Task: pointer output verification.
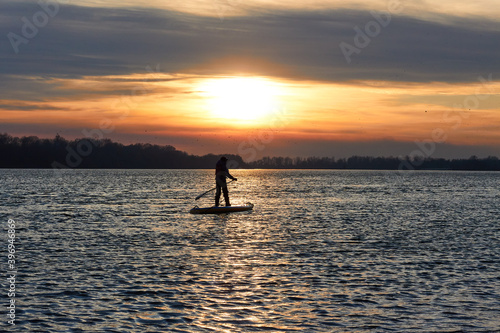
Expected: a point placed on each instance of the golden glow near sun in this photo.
(244, 99)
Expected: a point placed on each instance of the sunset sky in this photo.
(257, 78)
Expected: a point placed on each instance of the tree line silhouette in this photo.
(34, 152)
(491, 163)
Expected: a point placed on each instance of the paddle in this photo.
(209, 191)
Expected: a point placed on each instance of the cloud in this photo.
(21, 106)
(46, 88)
(82, 41)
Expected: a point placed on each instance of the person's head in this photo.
(223, 159)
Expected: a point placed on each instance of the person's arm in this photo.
(229, 175)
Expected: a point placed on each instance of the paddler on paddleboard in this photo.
(221, 174)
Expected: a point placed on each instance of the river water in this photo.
(322, 251)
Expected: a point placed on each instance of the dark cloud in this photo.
(81, 41)
(29, 107)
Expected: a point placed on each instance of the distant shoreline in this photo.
(265, 169)
(254, 169)
(58, 153)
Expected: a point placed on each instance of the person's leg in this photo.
(217, 195)
(226, 195)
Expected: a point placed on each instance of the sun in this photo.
(243, 99)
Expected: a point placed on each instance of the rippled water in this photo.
(323, 251)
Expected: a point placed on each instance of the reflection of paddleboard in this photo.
(221, 209)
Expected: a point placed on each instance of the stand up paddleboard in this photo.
(221, 209)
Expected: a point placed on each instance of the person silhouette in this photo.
(221, 174)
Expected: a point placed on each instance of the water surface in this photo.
(323, 251)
